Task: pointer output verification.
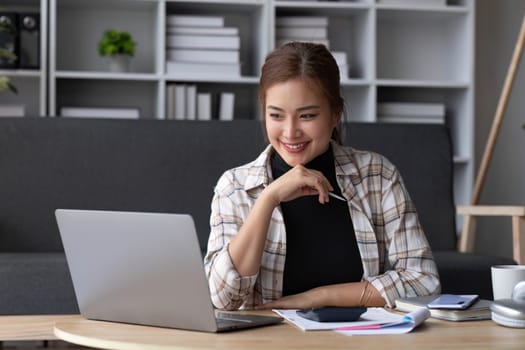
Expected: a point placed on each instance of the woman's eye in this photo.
(274, 115)
(308, 116)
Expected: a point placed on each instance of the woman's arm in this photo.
(239, 230)
(247, 245)
(345, 294)
(410, 268)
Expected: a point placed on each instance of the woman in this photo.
(280, 238)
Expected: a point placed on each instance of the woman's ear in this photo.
(336, 118)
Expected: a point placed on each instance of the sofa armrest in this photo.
(517, 213)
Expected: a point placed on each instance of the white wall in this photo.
(497, 27)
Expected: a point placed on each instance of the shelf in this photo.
(422, 83)
(22, 73)
(404, 11)
(106, 76)
(234, 80)
(321, 7)
(395, 53)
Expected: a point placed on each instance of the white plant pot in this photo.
(119, 63)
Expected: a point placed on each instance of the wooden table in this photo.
(434, 334)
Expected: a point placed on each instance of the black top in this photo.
(321, 247)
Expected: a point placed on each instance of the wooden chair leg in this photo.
(518, 239)
(467, 239)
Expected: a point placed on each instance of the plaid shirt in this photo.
(396, 257)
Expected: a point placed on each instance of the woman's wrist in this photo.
(268, 196)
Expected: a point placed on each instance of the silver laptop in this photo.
(142, 268)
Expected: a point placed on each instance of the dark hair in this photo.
(310, 62)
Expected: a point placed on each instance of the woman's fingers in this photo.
(300, 181)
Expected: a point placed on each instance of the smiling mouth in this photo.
(296, 147)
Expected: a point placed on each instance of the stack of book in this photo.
(342, 62)
(12, 110)
(301, 28)
(201, 46)
(479, 311)
(184, 102)
(411, 112)
(100, 112)
(310, 29)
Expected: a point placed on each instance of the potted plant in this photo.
(5, 83)
(119, 46)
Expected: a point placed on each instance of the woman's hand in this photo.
(300, 181)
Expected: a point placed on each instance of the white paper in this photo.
(373, 315)
(407, 324)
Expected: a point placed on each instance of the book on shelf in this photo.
(204, 70)
(191, 102)
(199, 55)
(325, 42)
(100, 112)
(180, 101)
(341, 59)
(301, 21)
(204, 106)
(12, 110)
(302, 28)
(183, 41)
(343, 71)
(226, 106)
(201, 46)
(215, 31)
(479, 311)
(194, 21)
(382, 118)
(170, 101)
(302, 32)
(411, 109)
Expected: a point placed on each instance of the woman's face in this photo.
(299, 121)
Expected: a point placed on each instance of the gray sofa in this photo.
(172, 166)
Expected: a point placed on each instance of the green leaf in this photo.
(116, 42)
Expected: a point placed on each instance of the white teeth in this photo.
(295, 146)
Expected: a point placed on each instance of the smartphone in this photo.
(332, 313)
(453, 301)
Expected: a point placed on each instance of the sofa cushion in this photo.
(36, 283)
(136, 165)
(467, 273)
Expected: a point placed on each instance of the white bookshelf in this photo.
(30, 83)
(397, 54)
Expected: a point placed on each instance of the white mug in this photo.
(504, 278)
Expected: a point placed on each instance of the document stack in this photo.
(12, 110)
(310, 29)
(100, 112)
(411, 112)
(184, 102)
(301, 28)
(342, 62)
(202, 47)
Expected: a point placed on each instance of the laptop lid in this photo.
(142, 268)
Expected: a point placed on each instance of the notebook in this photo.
(478, 311)
(142, 268)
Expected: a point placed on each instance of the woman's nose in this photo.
(291, 129)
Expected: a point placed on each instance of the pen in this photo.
(336, 196)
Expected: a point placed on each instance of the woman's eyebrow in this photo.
(308, 107)
(276, 108)
(298, 109)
